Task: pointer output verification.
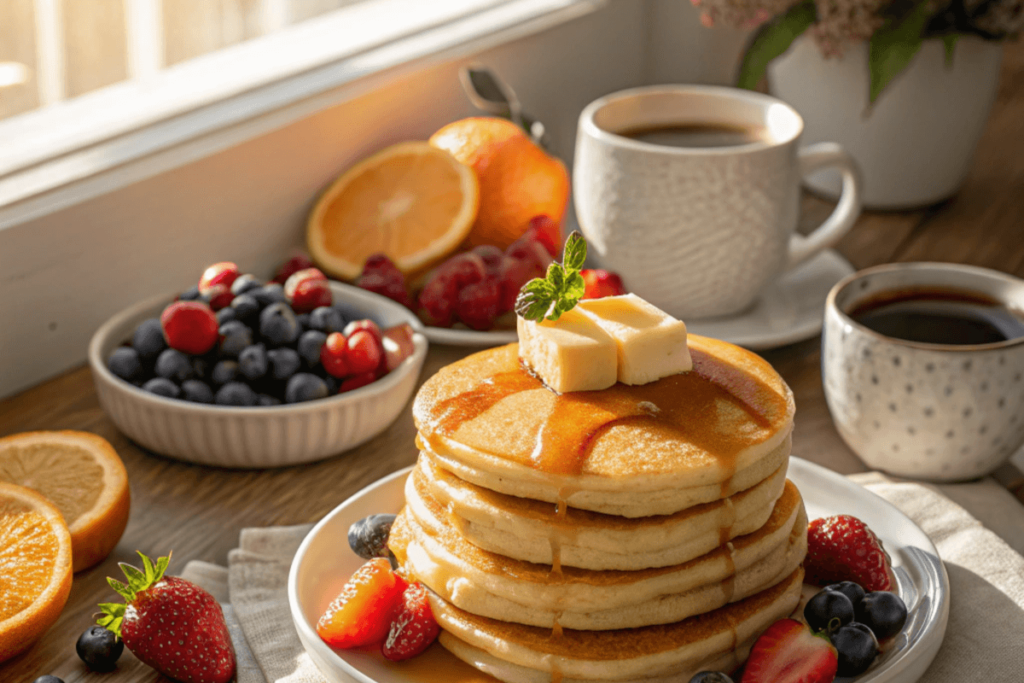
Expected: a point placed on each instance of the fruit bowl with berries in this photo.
(238, 372)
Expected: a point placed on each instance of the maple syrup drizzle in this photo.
(556, 630)
(729, 586)
(683, 404)
(556, 675)
(556, 554)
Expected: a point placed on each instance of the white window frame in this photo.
(164, 118)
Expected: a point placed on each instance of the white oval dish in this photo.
(256, 437)
(470, 338)
(319, 571)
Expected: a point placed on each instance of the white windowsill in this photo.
(99, 142)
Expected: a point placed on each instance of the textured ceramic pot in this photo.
(915, 144)
(699, 232)
(926, 411)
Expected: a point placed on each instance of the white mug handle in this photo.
(812, 158)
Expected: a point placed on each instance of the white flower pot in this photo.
(916, 144)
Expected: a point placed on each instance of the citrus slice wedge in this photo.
(83, 476)
(411, 201)
(35, 554)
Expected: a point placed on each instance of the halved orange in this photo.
(83, 476)
(411, 201)
(518, 179)
(35, 554)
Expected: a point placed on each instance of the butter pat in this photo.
(650, 344)
(571, 354)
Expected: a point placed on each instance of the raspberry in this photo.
(290, 267)
(545, 230)
(440, 296)
(531, 251)
(514, 274)
(492, 257)
(189, 327)
(381, 276)
(479, 303)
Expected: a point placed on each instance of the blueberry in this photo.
(234, 336)
(190, 294)
(162, 387)
(148, 340)
(849, 589)
(196, 391)
(710, 677)
(284, 363)
(269, 294)
(309, 347)
(278, 325)
(246, 308)
(99, 648)
(252, 361)
(226, 315)
(225, 371)
(304, 387)
(326, 319)
(245, 283)
(202, 366)
(124, 362)
(368, 537)
(235, 394)
(828, 610)
(48, 679)
(883, 612)
(857, 649)
(267, 400)
(332, 382)
(174, 365)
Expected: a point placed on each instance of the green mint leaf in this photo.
(575, 287)
(556, 276)
(535, 298)
(893, 46)
(574, 255)
(772, 40)
(949, 43)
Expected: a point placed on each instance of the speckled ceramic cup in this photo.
(927, 411)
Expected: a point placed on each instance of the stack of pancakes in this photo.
(632, 534)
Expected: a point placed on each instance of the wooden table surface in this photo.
(198, 511)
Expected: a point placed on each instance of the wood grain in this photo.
(199, 511)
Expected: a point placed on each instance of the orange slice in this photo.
(518, 179)
(35, 554)
(413, 202)
(83, 476)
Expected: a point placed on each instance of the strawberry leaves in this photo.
(561, 289)
(112, 613)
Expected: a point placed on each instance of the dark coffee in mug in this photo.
(698, 135)
(940, 316)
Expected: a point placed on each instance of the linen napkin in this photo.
(982, 643)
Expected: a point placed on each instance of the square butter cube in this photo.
(571, 354)
(650, 343)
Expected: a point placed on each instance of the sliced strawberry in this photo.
(224, 273)
(601, 283)
(789, 653)
(189, 327)
(362, 613)
(413, 628)
(307, 289)
(332, 355)
(843, 548)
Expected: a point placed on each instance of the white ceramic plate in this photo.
(465, 337)
(790, 310)
(320, 569)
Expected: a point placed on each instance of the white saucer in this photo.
(322, 565)
(790, 310)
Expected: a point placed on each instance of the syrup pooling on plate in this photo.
(687, 407)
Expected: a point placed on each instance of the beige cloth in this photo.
(983, 641)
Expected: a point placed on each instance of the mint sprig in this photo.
(558, 291)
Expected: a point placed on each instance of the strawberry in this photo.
(189, 327)
(545, 230)
(413, 628)
(843, 548)
(332, 355)
(290, 267)
(361, 615)
(223, 273)
(601, 283)
(307, 289)
(171, 624)
(218, 296)
(789, 653)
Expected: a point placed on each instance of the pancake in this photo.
(621, 655)
(487, 584)
(633, 451)
(530, 530)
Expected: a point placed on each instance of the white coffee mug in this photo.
(699, 231)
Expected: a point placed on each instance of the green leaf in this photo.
(535, 299)
(147, 564)
(893, 46)
(772, 40)
(161, 567)
(112, 615)
(574, 255)
(122, 590)
(136, 579)
(949, 42)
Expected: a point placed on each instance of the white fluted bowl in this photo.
(256, 437)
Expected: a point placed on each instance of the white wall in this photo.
(63, 274)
